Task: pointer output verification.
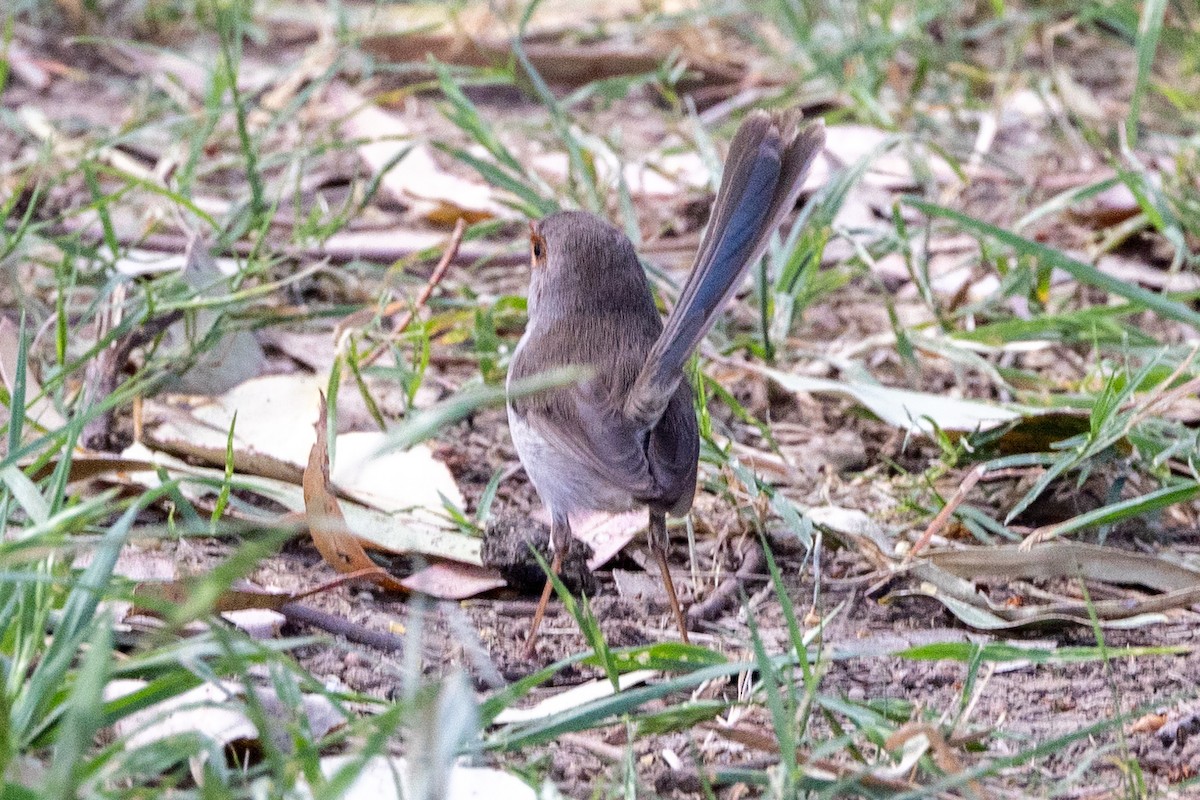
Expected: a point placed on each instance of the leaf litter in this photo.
(914, 399)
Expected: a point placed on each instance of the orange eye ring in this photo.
(537, 246)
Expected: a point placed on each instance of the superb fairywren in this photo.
(627, 435)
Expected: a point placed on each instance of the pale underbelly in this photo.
(564, 484)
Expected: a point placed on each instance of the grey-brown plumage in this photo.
(627, 435)
(602, 316)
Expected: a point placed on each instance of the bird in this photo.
(626, 436)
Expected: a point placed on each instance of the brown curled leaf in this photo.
(333, 538)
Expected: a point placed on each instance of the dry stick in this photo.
(100, 376)
(335, 583)
(943, 516)
(602, 750)
(439, 272)
(103, 374)
(338, 626)
(753, 563)
(335, 250)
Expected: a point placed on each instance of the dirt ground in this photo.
(1009, 707)
(841, 457)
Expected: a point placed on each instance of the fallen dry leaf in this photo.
(573, 698)
(1110, 207)
(406, 165)
(272, 438)
(177, 592)
(568, 64)
(215, 711)
(393, 244)
(218, 366)
(951, 577)
(396, 533)
(848, 144)
(385, 778)
(26, 68)
(661, 175)
(477, 36)
(607, 534)
(339, 547)
(260, 624)
(1139, 271)
(453, 581)
(916, 412)
(343, 550)
(85, 466)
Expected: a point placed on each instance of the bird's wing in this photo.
(654, 464)
(656, 467)
(577, 422)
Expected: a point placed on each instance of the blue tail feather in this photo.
(767, 164)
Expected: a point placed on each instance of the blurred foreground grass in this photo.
(1031, 238)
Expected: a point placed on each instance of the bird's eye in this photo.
(537, 246)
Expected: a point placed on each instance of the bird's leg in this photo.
(560, 540)
(659, 543)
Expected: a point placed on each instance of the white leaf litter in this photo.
(275, 416)
(415, 178)
(916, 412)
(235, 357)
(607, 534)
(383, 778)
(573, 698)
(213, 711)
(406, 534)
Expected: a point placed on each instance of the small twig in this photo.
(334, 583)
(456, 237)
(712, 606)
(103, 372)
(1010, 473)
(602, 750)
(339, 626)
(435, 278)
(100, 377)
(340, 248)
(943, 517)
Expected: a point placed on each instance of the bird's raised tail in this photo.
(768, 159)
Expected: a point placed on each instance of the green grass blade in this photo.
(84, 714)
(1150, 27)
(1133, 507)
(16, 402)
(1084, 273)
(606, 709)
(31, 711)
